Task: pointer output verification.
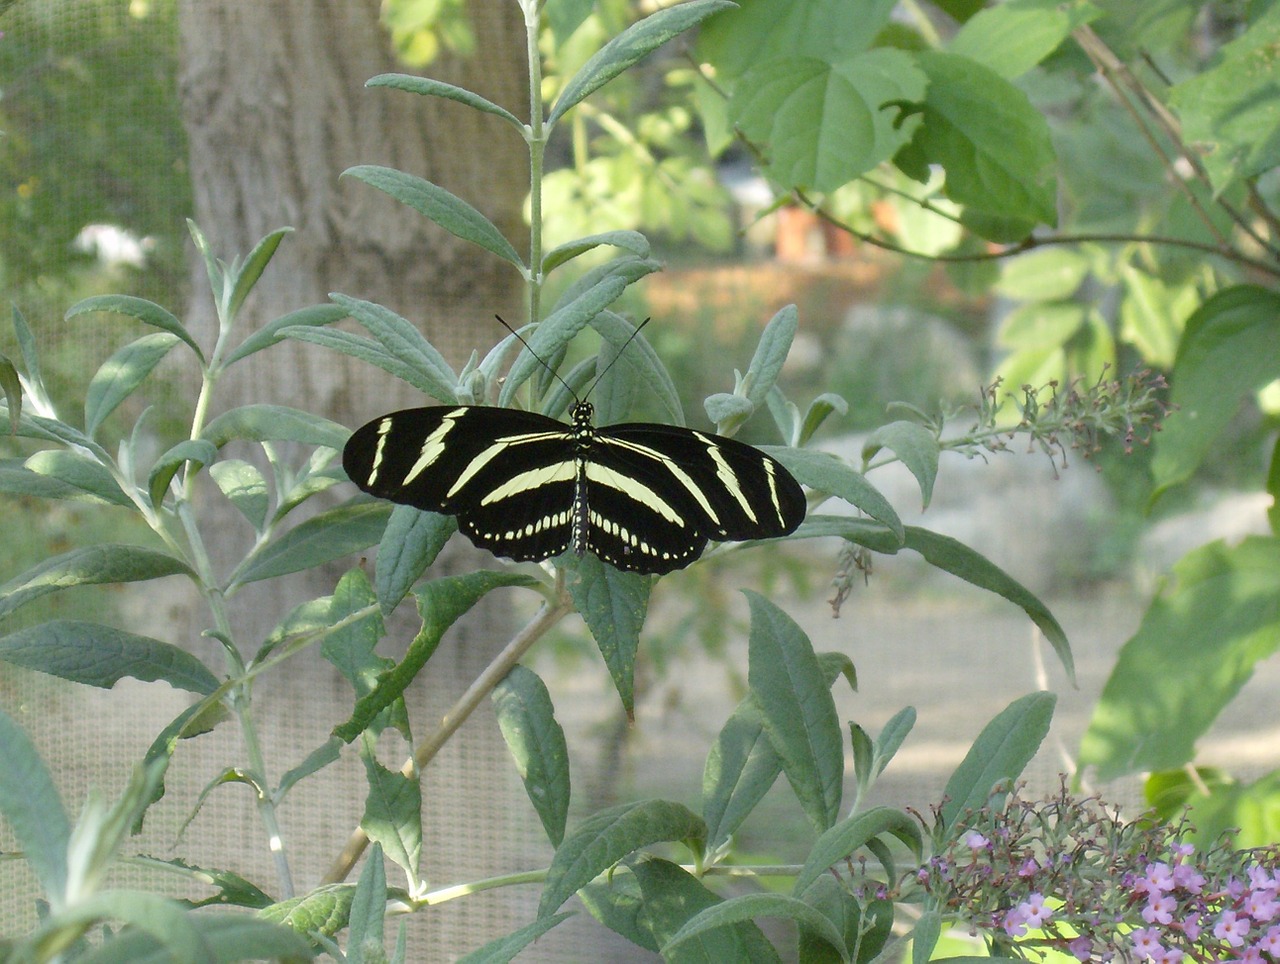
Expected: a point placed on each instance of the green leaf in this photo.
(437, 88)
(998, 756)
(848, 836)
(409, 354)
(761, 30)
(822, 122)
(441, 603)
(1036, 329)
(826, 473)
(144, 311)
(17, 479)
(994, 145)
(412, 541)
(866, 928)
(1049, 274)
(741, 767)
(30, 357)
(1013, 37)
(166, 928)
(275, 423)
(324, 910)
(727, 411)
(1195, 649)
(613, 604)
(958, 559)
(323, 538)
(797, 709)
(351, 649)
(196, 451)
(527, 719)
(231, 937)
(505, 949)
(33, 809)
(606, 837)
(642, 360)
(771, 354)
(231, 888)
(632, 242)
(1228, 350)
(252, 269)
(818, 411)
(630, 46)
(750, 906)
(436, 204)
(242, 483)
(1248, 813)
(914, 445)
(101, 656)
(12, 388)
(92, 565)
(319, 758)
(88, 475)
(1154, 314)
(393, 815)
(1231, 112)
(874, 535)
(924, 938)
(315, 316)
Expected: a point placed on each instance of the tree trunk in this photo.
(275, 108)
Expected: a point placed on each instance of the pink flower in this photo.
(1231, 928)
(1146, 943)
(1034, 910)
(1015, 922)
(1261, 905)
(1159, 910)
(1270, 941)
(1158, 879)
(1192, 927)
(976, 841)
(1028, 868)
(1187, 878)
(1082, 948)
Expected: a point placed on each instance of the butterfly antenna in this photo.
(630, 339)
(541, 360)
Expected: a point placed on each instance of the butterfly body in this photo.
(642, 497)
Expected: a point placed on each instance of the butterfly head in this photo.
(583, 414)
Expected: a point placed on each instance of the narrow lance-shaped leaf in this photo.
(328, 536)
(438, 88)
(12, 388)
(825, 473)
(771, 353)
(147, 312)
(614, 605)
(244, 486)
(30, 357)
(393, 815)
(504, 949)
(252, 269)
(89, 475)
(91, 565)
(527, 719)
(412, 541)
(33, 809)
(436, 204)
(749, 907)
(631, 241)
(198, 452)
(848, 836)
(315, 316)
(275, 423)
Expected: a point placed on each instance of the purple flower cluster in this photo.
(1071, 875)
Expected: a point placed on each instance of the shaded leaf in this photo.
(196, 451)
(1011, 38)
(393, 815)
(914, 445)
(313, 317)
(750, 906)
(144, 311)
(850, 835)
(323, 538)
(91, 565)
(632, 242)
(244, 486)
(826, 473)
(527, 719)
(33, 809)
(88, 475)
(412, 541)
(275, 423)
(121, 374)
(252, 269)
(614, 605)
(505, 949)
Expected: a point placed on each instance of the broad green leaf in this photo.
(17, 479)
(527, 719)
(632, 242)
(412, 541)
(323, 538)
(33, 809)
(606, 837)
(632, 45)
(144, 311)
(88, 475)
(1273, 489)
(441, 603)
(993, 144)
(762, 30)
(955, 557)
(1195, 649)
(166, 929)
(351, 649)
(998, 756)
(823, 123)
(415, 359)
(101, 656)
(557, 330)
(196, 451)
(797, 709)
(670, 896)
(924, 938)
(393, 815)
(616, 902)
(314, 317)
(1231, 112)
(914, 445)
(1154, 314)
(231, 937)
(771, 354)
(850, 835)
(1049, 274)
(324, 910)
(252, 269)
(1228, 349)
(1248, 813)
(243, 485)
(638, 354)
(437, 88)
(825, 473)
(750, 906)
(91, 565)
(1037, 328)
(275, 423)
(12, 388)
(1011, 38)
(741, 767)
(864, 923)
(613, 604)
(502, 950)
(436, 204)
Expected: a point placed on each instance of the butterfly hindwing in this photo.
(642, 497)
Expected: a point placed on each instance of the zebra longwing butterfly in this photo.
(642, 497)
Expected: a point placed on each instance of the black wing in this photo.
(509, 476)
(657, 493)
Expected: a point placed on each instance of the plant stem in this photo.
(537, 141)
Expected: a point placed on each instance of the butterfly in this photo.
(642, 497)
